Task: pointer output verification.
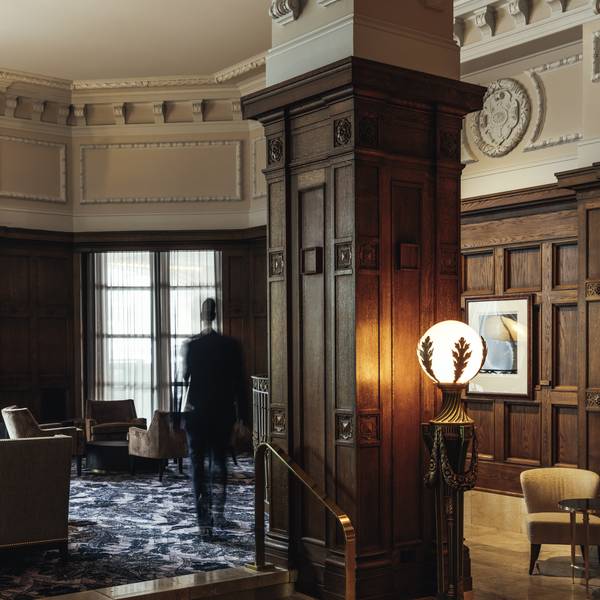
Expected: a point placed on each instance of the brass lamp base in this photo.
(453, 411)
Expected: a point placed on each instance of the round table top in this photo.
(580, 504)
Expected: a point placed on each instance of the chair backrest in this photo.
(20, 423)
(34, 502)
(112, 411)
(544, 488)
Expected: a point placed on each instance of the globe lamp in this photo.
(451, 353)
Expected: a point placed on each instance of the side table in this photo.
(585, 506)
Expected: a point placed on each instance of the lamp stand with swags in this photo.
(451, 354)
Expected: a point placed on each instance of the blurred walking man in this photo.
(214, 369)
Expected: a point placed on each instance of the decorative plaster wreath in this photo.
(502, 122)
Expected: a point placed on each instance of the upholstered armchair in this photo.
(34, 503)
(20, 423)
(161, 442)
(543, 489)
(110, 420)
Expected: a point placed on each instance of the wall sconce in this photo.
(450, 353)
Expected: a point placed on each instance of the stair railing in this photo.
(259, 511)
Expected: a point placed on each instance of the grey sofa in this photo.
(34, 503)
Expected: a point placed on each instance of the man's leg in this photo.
(220, 478)
(197, 455)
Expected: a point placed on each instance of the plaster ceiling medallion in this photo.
(504, 118)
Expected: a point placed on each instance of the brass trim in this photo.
(36, 543)
(259, 513)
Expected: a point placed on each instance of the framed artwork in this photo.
(505, 325)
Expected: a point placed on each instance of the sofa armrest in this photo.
(138, 441)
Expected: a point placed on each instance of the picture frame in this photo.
(504, 322)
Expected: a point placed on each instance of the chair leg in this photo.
(132, 464)
(161, 469)
(535, 554)
(180, 462)
(79, 459)
(582, 548)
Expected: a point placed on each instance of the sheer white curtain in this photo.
(146, 305)
(125, 333)
(193, 277)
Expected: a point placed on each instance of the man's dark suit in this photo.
(214, 368)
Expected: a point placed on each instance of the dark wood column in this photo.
(363, 172)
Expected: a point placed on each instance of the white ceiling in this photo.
(104, 39)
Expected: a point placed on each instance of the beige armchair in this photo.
(111, 419)
(20, 423)
(161, 442)
(543, 489)
(34, 502)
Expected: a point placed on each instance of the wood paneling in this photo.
(483, 415)
(245, 307)
(545, 241)
(522, 433)
(522, 269)
(565, 265)
(565, 341)
(36, 325)
(478, 273)
(564, 420)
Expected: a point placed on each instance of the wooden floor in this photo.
(500, 561)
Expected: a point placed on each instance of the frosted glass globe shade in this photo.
(451, 352)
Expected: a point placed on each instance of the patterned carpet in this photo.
(125, 529)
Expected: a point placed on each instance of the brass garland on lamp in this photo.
(451, 354)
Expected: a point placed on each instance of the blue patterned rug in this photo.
(124, 529)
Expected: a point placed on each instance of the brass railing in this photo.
(259, 511)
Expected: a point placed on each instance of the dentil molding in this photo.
(285, 11)
(519, 11)
(557, 6)
(485, 20)
(62, 158)
(152, 199)
(502, 122)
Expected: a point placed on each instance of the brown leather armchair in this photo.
(34, 503)
(110, 420)
(20, 423)
(161, 442)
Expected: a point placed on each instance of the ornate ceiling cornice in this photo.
(8, 78)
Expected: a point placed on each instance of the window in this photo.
(144, 306)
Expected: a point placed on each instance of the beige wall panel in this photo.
(161, 172)
(32, 169)
(563, 105)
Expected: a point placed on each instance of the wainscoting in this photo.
(541, 242)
